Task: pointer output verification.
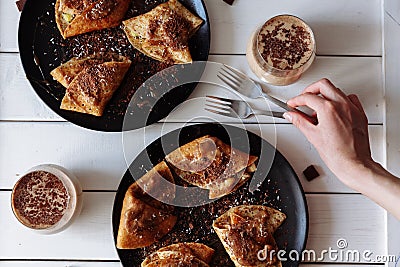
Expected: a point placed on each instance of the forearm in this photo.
(380, 186)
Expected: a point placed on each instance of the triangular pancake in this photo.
(245, 230)
(209, 163)
(163, 32)
(93, 83)
(75, 17)
(144, 216)
(181, 250)
(67, 71)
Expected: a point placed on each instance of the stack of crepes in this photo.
(209, 163)
(91, 82)
(162, 34)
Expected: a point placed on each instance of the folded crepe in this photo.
(209, 163)
(145, 217)
(163, 32)
(180, 254)
(91, 81)
(75, 17)
(248, 229)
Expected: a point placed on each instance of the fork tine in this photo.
(217, 112)
(220, 108)
(235, 79)
(227, 82)
(238, 73)
(218, 104)
(227, 114)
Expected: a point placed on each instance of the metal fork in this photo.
(244, 85)
(236, 108)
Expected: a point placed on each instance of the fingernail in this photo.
(287, 116)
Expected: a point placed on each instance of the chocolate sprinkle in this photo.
(285, 47)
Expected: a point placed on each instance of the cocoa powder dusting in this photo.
(174, 28)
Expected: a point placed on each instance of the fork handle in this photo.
(286, 107)
(275, 114)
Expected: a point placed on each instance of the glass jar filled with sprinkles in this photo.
(281, 50)
(47, 198)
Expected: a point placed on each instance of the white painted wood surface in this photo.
(98, 159)
(359, 75)
(90, 237)
(392, 8)
(9, 17)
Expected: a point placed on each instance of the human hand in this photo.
(341, 135)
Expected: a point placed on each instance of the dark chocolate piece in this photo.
(310, 173)
(20, 4)
(229, 2)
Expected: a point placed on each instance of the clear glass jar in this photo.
(40, 191)
(281, 50)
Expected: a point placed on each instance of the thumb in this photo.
(300, 121)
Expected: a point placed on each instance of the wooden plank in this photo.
(9, 19)
(392, 8)
(98, 158)
(88, 238)
(18, 100)
(352, 217)
(341, 27)
(329, 219)
(392, 95)
(362, 76)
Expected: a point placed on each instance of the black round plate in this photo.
(280, 188)
(42, 49)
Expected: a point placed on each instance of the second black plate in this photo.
(280, 188)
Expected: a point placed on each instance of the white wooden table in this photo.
(358, 43)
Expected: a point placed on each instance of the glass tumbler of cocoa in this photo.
(281, 50)
(47, 199)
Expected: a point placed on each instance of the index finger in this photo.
(310, 100)
(326, 88)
